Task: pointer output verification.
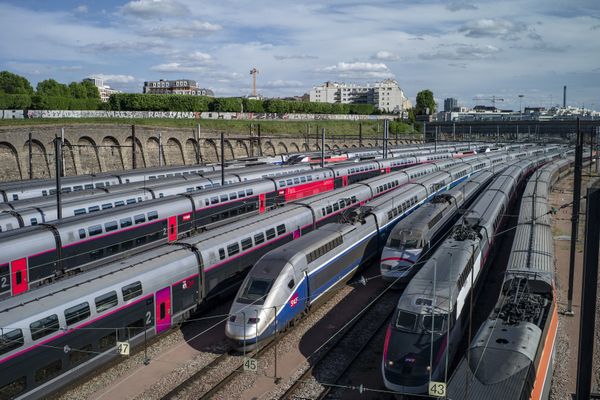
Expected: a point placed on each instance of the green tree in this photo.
(52, 88)
(425, 101)
(77, 90)
(91, 90)
(14, 84)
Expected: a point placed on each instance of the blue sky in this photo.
(457, 48)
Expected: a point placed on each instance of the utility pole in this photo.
(29, 144)
(198, 155)
(160, 159)
(588, 293)
(259, 141)
(360, 134)
(58, 173)
(322, 147)
(575, 216)
(133, 148)
(62, 157)
(222, 158)
(386, 128)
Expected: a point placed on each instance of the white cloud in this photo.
(114, 78)
(82, 9)
(386, 56)
(177, 67)
(460, 5)
(492, 28)
(360, 70)
(461, 52)
(154, 8)
(280, 83)
(187, 30)
(295, 57)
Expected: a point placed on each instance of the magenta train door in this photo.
(163, 310)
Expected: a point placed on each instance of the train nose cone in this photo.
(238, 328)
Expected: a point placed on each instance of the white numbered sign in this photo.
(250, 364)
(123, 348)
(437, 389)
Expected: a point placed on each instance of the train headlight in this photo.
(253, 320)
(232, 318)
(390, 363)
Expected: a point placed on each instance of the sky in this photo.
(460, 48)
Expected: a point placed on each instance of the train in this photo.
(293, 279)
(512, 353)
(418, 234)
(150, 292)
(38, 254)
(433, 311)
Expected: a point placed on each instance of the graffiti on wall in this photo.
(18, 114)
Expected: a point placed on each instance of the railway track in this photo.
(336, 356)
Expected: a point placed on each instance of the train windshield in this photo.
(255, 291)
(406, 321)
(435, 322)
(409, 239)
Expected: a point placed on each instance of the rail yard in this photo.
(405, 272)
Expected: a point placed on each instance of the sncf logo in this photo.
(187, 283)
(294, 300)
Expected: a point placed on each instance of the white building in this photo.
(179, 86)
(105, 90)
(386, 95)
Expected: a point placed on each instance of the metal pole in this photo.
(222, 158)
(397, 129)
(575, 217)
(276, 379)
(360, 134)
(386, 132)
(58, 172)
(259, 141)
(160, 149)
(597, 147)
(435, 140)
(198, 145)
(133, 148)
(322, 147)
(588, 290)
(497, 133)
(591, 149)
(30, 156)
(454, 131)
(62, 158)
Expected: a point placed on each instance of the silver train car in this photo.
(432, 313)
(289, 281)
(419, 233)
(512, 354)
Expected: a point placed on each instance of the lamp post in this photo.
(520, 108)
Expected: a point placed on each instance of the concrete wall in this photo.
(93, 148)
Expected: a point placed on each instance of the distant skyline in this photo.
(460, 48)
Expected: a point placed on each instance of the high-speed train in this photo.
(32, 255)
(419, 233)
(290, 280)
(512, 354)
(432, 312)
(152, 291)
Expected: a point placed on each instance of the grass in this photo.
(369, 128)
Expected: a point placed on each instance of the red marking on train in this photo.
(18, 272)
(387, 341)
(294, 300)
(172, 228)
(398, 259)
(187, 217)
(261, 203)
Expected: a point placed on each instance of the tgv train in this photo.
(151, 291)
(432, 312)
(420, 232)
(32, 255)
(512, 354)
(290, 280)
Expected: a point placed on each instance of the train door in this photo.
(163, 310)
(297, 233)
(172, 228)
(345, 180)
(19, 277)
(261, 203)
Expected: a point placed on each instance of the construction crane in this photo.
(492, 99)
(253, 72)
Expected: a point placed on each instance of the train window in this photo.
(44, 193)
(160, 195)
(233, 196)
(336, 207)
(233, 248)
(259, 238)
(303, 179)
(52, 192)
(77, 313)
(82, 233)
(354, 200)
(93, 208)
(152, 215)
(119, 203)
(160, 176)
(249, 192)
(79, 211)
(434, 323)
(406, 320)
(111, 226)
(77, 188)
(11, 340)
(107, 341)
(139, 219)
(214, 200)
(44, 327)
(296, 181)
(241, 194)
(106, 301)
(89, 186)
(66, 190)
(282, 183)
(329, 209)
(246, 243)
(100, 184)
(206, 202)
(95, 230)
(280, 229)
(12, 389)
(309, 178)
(126, 222)
(132, 291)
(130, 201)
(270, 233)
(33, 221)
(224, 197)
(289, 182)
(77, 356)
(221, 254)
